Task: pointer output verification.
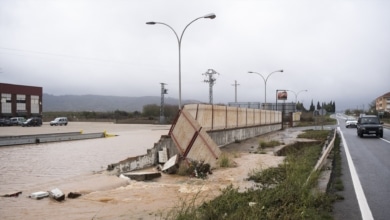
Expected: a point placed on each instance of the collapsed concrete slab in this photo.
(170, 165)
(142, 176)
(192, 141)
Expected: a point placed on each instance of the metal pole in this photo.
(163, 91)
(265, 82)
(235, 90)
(179, 40)
(296, 97)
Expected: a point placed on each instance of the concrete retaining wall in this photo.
(228, 136)
(216, 117)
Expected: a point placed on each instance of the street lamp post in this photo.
(179, 40)
(265, 82)
(296, 96)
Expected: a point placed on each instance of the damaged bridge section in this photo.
(199, 131)
(192, 141)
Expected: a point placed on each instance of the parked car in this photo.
(369, 124)
(5, 122)
(34, 121)
(17, 120)
(59, 121)
(351, 122)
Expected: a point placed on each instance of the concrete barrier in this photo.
(45, 138)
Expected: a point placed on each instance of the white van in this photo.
(59, 121)
(17, 120)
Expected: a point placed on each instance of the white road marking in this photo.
(363, 204)
(385, 140)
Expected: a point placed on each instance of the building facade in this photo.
(20, 100)
(383, 103)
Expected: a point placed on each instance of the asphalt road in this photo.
(366, 175)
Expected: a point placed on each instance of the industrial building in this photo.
(20, 101)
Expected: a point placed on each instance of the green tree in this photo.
(318, 106)
(89, 115)
(151, 110)
(372, 107)
(334, 106)
(312, 107)
(120, 114)
(300, 107)
(170, 111)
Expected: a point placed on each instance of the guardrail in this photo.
(325, 153)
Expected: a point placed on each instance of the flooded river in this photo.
(40, 167)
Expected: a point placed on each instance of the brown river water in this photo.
(71, 165)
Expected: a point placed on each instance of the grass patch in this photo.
(307, 119)
(266, 144)
(225, 160)
(315, 134)
(282, 192)
(335, 183)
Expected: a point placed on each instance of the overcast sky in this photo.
(337, 50)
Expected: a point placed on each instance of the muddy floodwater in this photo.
(79, 166)
(70, 164)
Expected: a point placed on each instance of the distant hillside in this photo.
(98, 103)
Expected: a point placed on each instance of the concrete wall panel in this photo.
(204, 149)
(231, 117)
(201, 113)
(219, 117)
(192, 140)
(241, 117)
(184, 130)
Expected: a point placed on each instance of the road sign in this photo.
(322, 111)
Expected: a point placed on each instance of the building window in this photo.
(6, 103)
(34, 104)
(20, 102)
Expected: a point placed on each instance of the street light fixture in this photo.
(265, 82)
(296, 96)
(179, 40)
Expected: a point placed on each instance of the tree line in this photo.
(150, 114)
(329, 107)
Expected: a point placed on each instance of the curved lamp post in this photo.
(296, 96)
(179, 40)
(265, 82)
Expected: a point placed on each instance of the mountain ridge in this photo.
(100, 103)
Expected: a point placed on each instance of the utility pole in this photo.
(163, 91)
(235, 90)
(211, 81)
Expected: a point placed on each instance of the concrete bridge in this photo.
(199, 130)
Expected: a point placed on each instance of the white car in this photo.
(59, 121)
(351, 122)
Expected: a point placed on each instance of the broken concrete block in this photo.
(143, 176)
